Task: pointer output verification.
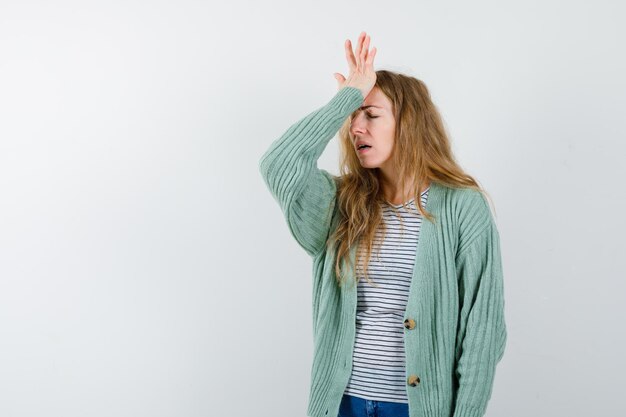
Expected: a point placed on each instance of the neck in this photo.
(393, 194)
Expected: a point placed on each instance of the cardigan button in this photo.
(409, 324)
(414, 380)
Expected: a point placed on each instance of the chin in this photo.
(369, 165)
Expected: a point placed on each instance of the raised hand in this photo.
(362, 74)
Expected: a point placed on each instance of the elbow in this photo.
(264, 165)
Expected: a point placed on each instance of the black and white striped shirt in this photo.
(378, 370)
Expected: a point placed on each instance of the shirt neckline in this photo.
(408, 202)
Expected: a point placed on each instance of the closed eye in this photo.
(369, 116)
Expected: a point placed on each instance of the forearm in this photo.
(290, 159)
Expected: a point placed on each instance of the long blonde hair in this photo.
(421, 152)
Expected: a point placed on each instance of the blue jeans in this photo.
(352, 406)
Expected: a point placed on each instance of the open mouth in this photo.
(363, 148)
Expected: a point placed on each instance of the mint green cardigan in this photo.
(456, 296)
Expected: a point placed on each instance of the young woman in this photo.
(414, 325)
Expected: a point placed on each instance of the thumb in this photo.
(340, 79)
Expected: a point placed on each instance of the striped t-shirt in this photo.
(378, 370)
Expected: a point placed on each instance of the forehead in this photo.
(376, 99)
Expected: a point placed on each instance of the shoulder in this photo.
(471, 212)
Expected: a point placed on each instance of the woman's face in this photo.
(373, 124)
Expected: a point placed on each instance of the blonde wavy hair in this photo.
(421, 153)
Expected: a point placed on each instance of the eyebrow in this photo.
(365, 107)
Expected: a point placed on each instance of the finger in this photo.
(349, 55)
(359, 49)
(359, 44)
(370, 57)
(364, 51)
(340, 79)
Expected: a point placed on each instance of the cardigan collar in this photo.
(426, 234)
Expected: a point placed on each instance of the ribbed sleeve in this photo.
(305, 193)
(483, 338)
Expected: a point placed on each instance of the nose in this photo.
(357, 126)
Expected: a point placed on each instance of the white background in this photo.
(145, 270)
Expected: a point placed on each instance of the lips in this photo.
(362, 145)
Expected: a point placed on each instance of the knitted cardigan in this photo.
(456, 296)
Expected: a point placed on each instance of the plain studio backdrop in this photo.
(146, 270)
